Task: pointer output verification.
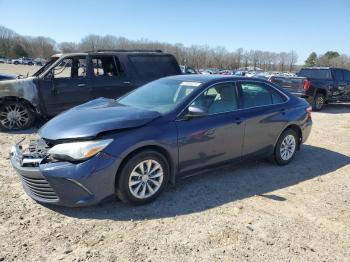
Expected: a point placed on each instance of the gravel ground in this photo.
(253, 212)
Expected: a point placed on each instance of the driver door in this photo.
(66, 85)
(217, 136)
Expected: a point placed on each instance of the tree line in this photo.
(330, 58)
(197, 56)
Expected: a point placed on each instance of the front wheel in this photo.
(143, 178)
(15, 115)
(286, 147)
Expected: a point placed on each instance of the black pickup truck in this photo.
(72, 79)
(319, 85)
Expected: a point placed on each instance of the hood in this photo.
(92, 118)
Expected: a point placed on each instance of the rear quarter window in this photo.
(154, 66)
(259, 94)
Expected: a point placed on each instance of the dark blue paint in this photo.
(188, 144)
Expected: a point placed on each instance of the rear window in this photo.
(316, 73)
(155, 65)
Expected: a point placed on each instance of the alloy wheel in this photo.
(14, 116)
(146, 179)
(287, 148)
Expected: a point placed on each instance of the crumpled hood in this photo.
(92, 118)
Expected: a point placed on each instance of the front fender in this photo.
(20, 88)
(163, 136)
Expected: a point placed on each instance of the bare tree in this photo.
(292, 58)
(283, 57)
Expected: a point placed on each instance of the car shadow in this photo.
(224, 185)
(340, 108)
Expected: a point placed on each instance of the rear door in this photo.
(109, 78)
(66, 86)
(264, 116)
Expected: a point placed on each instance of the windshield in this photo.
(46, 66)
(161, 95)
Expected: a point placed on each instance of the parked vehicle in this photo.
(319, 85)
(7, 76)
(225, 72)
(188, 70)
(39, 61)
(27, 61)
(72, 79)
(3, 60)
(163, 130)
(17, 61)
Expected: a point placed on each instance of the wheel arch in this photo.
(321, 91)
(163, 151)
(295, 128)
(18, 99)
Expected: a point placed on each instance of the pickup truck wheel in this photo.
(15, 115)
(143, 178)
(318, 102)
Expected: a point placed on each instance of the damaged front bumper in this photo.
(64, 183)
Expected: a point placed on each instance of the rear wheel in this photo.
(318, 102)
(143, 178)
(15, 115)
(286, 147)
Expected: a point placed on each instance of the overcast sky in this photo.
(271, 25)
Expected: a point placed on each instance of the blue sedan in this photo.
(134, 146)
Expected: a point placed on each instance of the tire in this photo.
(136, 189)
(15, 115)
(318, 102)
(286, 147)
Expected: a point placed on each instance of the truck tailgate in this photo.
(292, 84)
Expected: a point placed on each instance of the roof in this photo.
(323, 67)
(210, 78)
(126, 51)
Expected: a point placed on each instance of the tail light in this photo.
(306, 84)
(309, 110)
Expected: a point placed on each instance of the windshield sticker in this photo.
(195, 84)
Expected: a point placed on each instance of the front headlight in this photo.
(78, 150)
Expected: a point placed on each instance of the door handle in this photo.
(283, 111)
(127, 83)
(81, 85)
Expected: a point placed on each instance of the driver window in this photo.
(70, 67)
(218, 99)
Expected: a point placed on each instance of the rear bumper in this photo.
(67, 184)
(306, 130)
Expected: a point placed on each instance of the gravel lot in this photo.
(253, 212)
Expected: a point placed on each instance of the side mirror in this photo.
(195, 111)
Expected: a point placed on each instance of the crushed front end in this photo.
(64, 183)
